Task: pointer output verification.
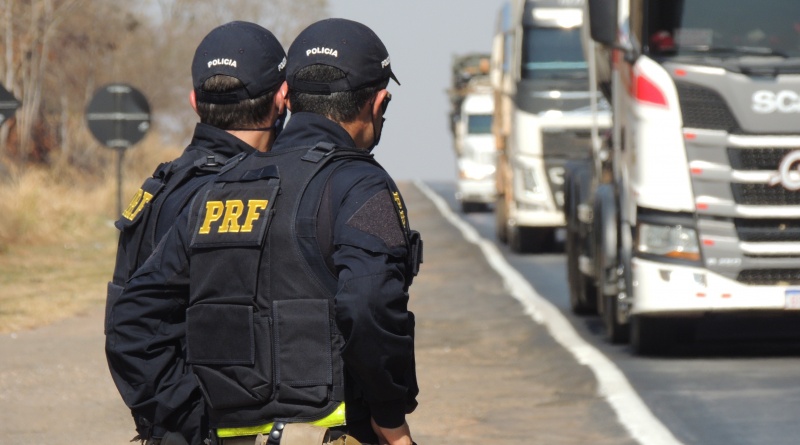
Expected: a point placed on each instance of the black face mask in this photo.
(377, 135)
(280, 122)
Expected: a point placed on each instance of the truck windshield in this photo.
(724, 28)
(479, 124)
(552, 52)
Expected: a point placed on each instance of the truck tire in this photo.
(501, 220)
(648, 335)
(582, 291)
(606, 229)
(473, 207)
(519, 239)
(531, 239)
(616, 332)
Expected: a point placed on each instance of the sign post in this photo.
(118, 116)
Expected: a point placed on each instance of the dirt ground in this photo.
(487, 373)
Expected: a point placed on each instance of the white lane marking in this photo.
(631, 411)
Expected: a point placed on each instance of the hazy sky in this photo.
(422, 36)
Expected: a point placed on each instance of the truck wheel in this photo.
(517, 240)
(582, 291)
(648, 336)
(472, 207)
(501, 220)
(530, 239)
(608, 302)
(616, 332)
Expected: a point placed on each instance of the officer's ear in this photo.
(193, 101)
(377, 104)
(282, 97)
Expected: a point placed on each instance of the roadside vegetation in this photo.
(58, 241)
(58, 186)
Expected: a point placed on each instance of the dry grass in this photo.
(57, 239)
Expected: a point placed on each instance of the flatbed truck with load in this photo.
(471, 114)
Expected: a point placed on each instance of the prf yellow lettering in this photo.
(400, 209)
(137, 204)
(229, 212)
(254, 206)
(233, 210)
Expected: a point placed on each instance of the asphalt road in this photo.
(730, 387)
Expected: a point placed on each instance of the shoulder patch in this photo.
(380, 216)
(149, 190)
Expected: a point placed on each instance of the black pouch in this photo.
(304, 355)
(230, 350)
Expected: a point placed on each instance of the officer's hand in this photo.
(393, 436)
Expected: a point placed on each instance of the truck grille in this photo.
(560, 146)
(766, 158)
(705, 108)
(769, 277)
(567, 144)
(764, 195)
(767, 230)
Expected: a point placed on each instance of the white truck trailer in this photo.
(691, 210)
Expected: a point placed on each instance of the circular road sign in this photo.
(118, 115)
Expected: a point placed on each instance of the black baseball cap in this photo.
(243, 50)
(350, 46)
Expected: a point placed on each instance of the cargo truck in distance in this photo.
(694, 215)
(542, 116)
(471, 110)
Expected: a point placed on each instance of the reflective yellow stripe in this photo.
(336, 418)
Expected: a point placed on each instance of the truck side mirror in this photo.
(603, 21)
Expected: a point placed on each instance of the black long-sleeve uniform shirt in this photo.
(371, 300)
(133, 250)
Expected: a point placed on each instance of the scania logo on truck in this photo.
(788, 175)
(784, 101)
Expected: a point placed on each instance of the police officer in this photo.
(238, 74)
(296, 264)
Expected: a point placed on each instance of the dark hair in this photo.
(342, 106)
(249, 113)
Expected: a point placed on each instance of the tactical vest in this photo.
(261, 331)
(137, 224)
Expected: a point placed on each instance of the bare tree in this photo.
(56, 53)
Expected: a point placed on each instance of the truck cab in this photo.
(475, 150)
(701, 212)
(542, 116)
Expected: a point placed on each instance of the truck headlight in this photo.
(669, 241)
(529, 183)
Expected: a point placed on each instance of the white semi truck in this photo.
(471, 114)
(690, 209)
(476, 160)
(542, 116)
